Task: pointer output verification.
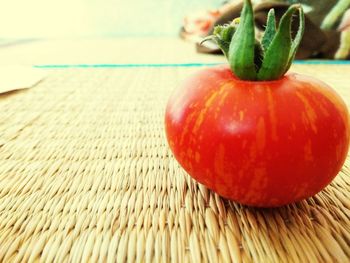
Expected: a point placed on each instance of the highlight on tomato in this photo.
(251, 132)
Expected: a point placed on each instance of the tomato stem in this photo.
(268, 59)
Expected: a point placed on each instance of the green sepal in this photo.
(297, 39)
(222, 35)
(277, 56)
(258, 55)
(241, 52)
(267, 60)
(270, 30)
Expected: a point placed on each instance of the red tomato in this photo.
(265, 143)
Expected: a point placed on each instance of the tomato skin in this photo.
(262, 144)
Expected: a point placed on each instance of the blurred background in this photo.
(142, 31)
(95, 18)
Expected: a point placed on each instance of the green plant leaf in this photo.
(335, 14)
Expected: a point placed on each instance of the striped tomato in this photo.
(260, 143)
(248, 131)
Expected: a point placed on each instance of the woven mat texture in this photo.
(86, 176)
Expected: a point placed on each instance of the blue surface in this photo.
(167, 65)
(322, 62)
(148, 65)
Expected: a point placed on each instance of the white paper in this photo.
(19, 77)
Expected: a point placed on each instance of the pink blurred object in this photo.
(200, 22)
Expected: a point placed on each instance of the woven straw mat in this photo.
(86, 176)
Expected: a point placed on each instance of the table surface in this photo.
(86, 173)
(104, 51)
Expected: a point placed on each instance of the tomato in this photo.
(248, 131)
(261, 143)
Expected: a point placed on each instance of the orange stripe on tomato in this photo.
(204, 111)
(310, 114)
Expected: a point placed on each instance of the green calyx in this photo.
(268, 59)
